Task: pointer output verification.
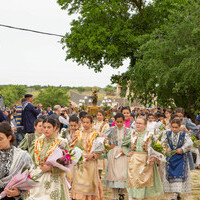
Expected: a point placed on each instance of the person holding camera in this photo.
(62, 117)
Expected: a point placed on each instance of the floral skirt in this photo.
(180, 187)
(52, 186)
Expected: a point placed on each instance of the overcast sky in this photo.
(35, 59)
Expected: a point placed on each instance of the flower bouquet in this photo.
(100, 145)
(21, 181)
(195, 141)
(62, 159)
(107, 147)
(161, 148)
(158, 151)
(79, 157)
(158, 133)
(162, 127)
(63, 132)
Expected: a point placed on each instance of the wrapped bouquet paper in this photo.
(153, 154)
(77, 154)
(21, 181)
(98, 145)
(62, 159)
(158, 151)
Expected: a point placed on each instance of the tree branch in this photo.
(139, 5)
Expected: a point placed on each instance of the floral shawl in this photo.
(147, 140)
(38, 148)
(86, 142)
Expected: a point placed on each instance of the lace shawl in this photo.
(20, 160)
(6, 157)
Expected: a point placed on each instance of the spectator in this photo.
(5, 113)
(29, 114)
(19, 113)
(64, 120)
(56, 112)
(2, 117)
(49, 111)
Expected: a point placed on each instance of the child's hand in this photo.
(112, 146)
(179, 151)
(122, 153)
(46, 168)
(13, 192)
(152, 160)
(130, 154)
(89, 157)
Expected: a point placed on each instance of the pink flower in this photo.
(29, 176)
(68, 157)
(66, 151)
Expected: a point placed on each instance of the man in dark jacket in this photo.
(29, 114)
(2, 116)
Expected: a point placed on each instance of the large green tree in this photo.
(168, 70)
(107, 32)
(12, 93)
(52, 96)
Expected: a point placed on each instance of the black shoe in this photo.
(121, 196)
(178, 197)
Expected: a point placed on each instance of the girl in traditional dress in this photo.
(86, 183)
(187, 126)
(53, 183)
(81, 116)
(176, 178)
(69, 133)
(100, 126)
(12, 161)
(116, 170)
(145, 185)
(151, 124)
(128, 122)
(168, 114)
(28, 143)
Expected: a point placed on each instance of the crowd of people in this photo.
(131, 167)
